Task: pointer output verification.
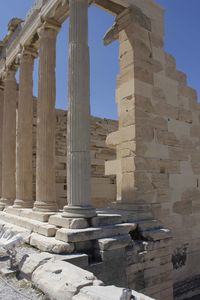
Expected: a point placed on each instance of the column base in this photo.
(79, 212)
(22, 204)
(45, 207)
(5, 202)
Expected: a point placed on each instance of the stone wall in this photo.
(158, 141)
(103, 187)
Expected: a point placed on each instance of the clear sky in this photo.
(182, 27)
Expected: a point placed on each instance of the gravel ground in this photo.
(13, 288)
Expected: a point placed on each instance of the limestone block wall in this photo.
(158, 141)
(103, 187)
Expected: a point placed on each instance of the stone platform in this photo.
(52, 233)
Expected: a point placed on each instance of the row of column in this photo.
(17, 189)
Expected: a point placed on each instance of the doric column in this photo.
(1, 129)
(45, 161)
(24, 172)
(78, 132)
(9, 140)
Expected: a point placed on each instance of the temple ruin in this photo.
(123, 193)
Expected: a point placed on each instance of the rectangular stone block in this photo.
(50, 244)
(113, 243)
(106, 219)
(113, 167)
(167, 138)
(69, 223)
(73, 235)
(35, 226)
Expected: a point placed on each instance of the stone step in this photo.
(75, 223)
(131, 216)
(106, 219)
(157, 234)
(50, 244)
(29, 213)
(25, 233)
(149, 224)
(32, 225)
(116, 242)
(80, 235)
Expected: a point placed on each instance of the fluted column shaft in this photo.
(24, 170)
(1, 130)
(78, 131)
(9, 140)
(45, 156)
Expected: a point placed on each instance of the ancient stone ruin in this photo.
(122, 197)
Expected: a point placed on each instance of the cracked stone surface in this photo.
(12, 288)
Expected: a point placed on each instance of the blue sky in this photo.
(182, 27)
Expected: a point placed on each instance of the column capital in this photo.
(27, 53)
(50, 27)
(10, 71)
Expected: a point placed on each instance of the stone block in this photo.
(32, 225)
(113, 243)
(143, 181)
(157, 234)
(142, 88)
(128, 165)
(144, 103)
(112, 167)
(183, 207)
(50, 244)
(75, 235)
(110, 255)
(30, 263)
(169, 86)
(185, 115)
(144, 133)
(69, 223)
(106, 219)
(113, 139)
(103, 193)
(84, 247)
(61, 280)
(180, 129)
(177, 154)
(29, 213)
(107, 292)
(125, 90)
(160, 181)
(26, 234)
(79, 260)
(188, 92)
(167, 138)
(149, 224)
(155, 150)
(127, 149)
